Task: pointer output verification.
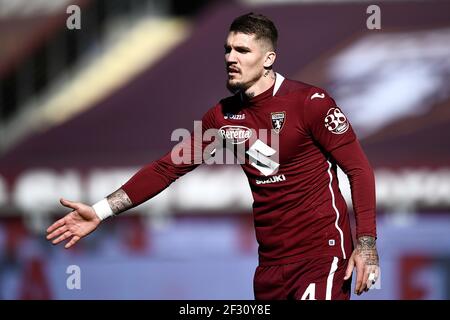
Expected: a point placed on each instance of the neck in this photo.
(263, 83)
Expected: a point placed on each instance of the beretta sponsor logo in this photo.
(235, 134)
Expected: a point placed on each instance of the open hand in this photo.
(75, 225)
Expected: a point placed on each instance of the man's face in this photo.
(244, 59)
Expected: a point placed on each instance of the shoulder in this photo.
(226, 105)
(307, 97)
(293, 87)
(308, 94)
(230, 104)
(223, 105)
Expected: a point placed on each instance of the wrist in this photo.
(366, 242)
(102, 209)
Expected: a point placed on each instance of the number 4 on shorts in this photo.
(310, 292)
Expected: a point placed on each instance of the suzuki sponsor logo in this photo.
(235, 134)
(273, 179)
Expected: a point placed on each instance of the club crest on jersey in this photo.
(278, 120)
(336, 122)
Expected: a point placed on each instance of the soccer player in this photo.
(302, 225)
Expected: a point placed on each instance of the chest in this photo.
(273, 130)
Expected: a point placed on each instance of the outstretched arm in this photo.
(119, 202)
(145, 184)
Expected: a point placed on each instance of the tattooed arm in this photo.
(367, 249)
(142, 186)
(84, 219)
(365, 258)
(119, 201)
(362, 184)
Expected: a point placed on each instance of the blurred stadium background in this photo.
(82, 110)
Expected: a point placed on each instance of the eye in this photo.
(227, 49)
(242, 50)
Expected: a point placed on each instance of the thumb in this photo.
(349, 271)
(69, 204)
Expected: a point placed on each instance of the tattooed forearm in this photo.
(119, 201)
(367, 242)
(366, 247)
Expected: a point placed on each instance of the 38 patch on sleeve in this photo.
(336, 122)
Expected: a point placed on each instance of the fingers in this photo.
(377, 273)
(365, 275)
(63, 234)
(373, 276)
(66, 235)
(72, 242)
(61, 222)
(57, 232)
(370, 277)
(349, 271)
(56, 225)
(359, 277)
(69, 204)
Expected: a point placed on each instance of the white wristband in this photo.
(102, 209)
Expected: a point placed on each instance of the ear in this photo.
(269, 59)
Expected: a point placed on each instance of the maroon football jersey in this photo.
(288, 141)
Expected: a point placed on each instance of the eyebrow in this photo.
(226, 46)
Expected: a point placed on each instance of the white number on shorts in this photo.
(310, 292)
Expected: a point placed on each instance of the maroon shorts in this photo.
(319, 278)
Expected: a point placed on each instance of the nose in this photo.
(230, 57)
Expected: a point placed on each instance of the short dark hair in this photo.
(257, 24)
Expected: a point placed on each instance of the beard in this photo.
(236, 86)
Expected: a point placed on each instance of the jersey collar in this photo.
(278, 81)
(269, 93)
